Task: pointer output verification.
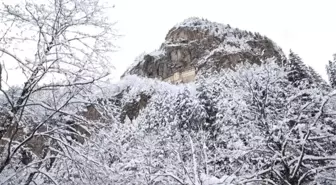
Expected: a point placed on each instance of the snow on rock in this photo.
(200, 44)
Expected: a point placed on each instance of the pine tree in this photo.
(298, 71)
(317, 78)
(189, 112)
(207, 95)
(331, 71)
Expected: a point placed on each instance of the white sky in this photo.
(305, 26)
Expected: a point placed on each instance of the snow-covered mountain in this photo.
(247, 116)
(197, 45)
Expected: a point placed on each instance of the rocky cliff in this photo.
(198, 45)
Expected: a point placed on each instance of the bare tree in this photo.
(61, 49)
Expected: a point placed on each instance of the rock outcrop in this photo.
(198, 45)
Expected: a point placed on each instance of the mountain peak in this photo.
(197, 45)
(201, 23)
(198, 25)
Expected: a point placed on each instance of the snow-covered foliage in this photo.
(55, 51)
(331, 71)
(248, 126)
(243, 127)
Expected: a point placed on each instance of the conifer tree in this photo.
(331, 71)
(298, 71)
(317, 78)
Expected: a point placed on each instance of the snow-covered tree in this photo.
(331, 71)
(298, 71)
(317, 78)
(60, 49)
(268, 125)
(207, 95)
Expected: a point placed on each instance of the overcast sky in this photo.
(307, 27)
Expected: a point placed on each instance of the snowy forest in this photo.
(66, 123)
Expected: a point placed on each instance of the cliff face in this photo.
(197, 45)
